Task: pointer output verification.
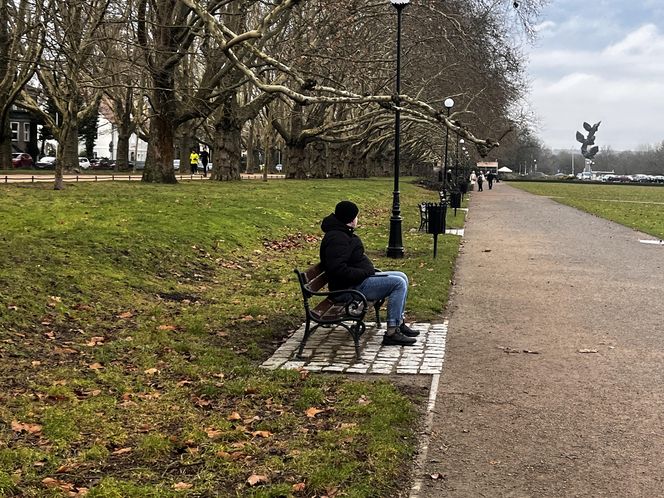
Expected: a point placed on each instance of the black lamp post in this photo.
(449, 103)
(456, 162)
(395, 244)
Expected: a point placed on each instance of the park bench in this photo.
(346, 307)
(424, 218)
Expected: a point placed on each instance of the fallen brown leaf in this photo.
(234, 416)
(122, 451)
(65, 350)
(182, 485)
(150, 371)
(166, 327)
(51, 483)
(298, 487)
(95, 366)
(363, 400)
(312, 412)
(255, 479)
(587, 351)
(261, 434)
(29, 428)
(67, 467)
(304, 373)
(213, 433)
(126, 314)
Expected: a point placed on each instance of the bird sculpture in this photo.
(588, 140)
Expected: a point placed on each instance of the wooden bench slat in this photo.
(327, 311)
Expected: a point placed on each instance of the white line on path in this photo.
(424, 444)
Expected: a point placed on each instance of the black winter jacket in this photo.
(342, 255)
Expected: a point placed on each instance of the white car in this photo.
(83, 163)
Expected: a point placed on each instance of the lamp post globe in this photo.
(449, 103)
(395, 245)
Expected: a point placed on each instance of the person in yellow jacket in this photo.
(193, 160)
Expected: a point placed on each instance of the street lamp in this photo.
(456, 164)
(449, 103)
(395, 244)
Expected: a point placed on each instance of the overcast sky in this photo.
(599, 60)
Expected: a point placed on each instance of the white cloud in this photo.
(621, 84)
(545, 26)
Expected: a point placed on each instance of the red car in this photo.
(21, 160)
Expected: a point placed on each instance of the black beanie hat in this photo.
(346, 211)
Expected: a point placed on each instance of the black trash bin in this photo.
(455, 200)
(436, 221)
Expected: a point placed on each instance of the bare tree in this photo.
(324, 91)
(21, 44)
(65, 74)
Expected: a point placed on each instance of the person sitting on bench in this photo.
(347, 266)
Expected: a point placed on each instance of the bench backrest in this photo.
(312, 279)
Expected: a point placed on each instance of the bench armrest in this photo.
(355, 305)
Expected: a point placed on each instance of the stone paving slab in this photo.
(331, 350)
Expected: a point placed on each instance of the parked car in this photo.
(21, 160)
(130, 165)
(83, 163)
(100, 163)
(47, 162)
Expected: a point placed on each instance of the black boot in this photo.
(407, 331)
(397, 339)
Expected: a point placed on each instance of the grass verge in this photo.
(132, 321)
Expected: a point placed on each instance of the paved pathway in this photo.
(553, 383)
(332, 350)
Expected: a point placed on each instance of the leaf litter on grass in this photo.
(129, 383)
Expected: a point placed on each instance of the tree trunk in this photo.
(159, 158)
(227, 142)
(269, 155)
(251, 153)
(317, 160)
(6, 144)
(67, 155)
(122, 154)
(227, 151)
(296, 161)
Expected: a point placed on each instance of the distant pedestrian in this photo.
(205, 157)
(490, 177)
(193, 161)
(473, 180)
(480, 181)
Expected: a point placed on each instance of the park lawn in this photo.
(638, 207)
(133, 318)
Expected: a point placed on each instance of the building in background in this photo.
(23, 125)
(107, 142)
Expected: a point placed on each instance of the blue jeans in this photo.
(390, 284)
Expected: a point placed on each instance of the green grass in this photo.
(641, 208)
(132, 321)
